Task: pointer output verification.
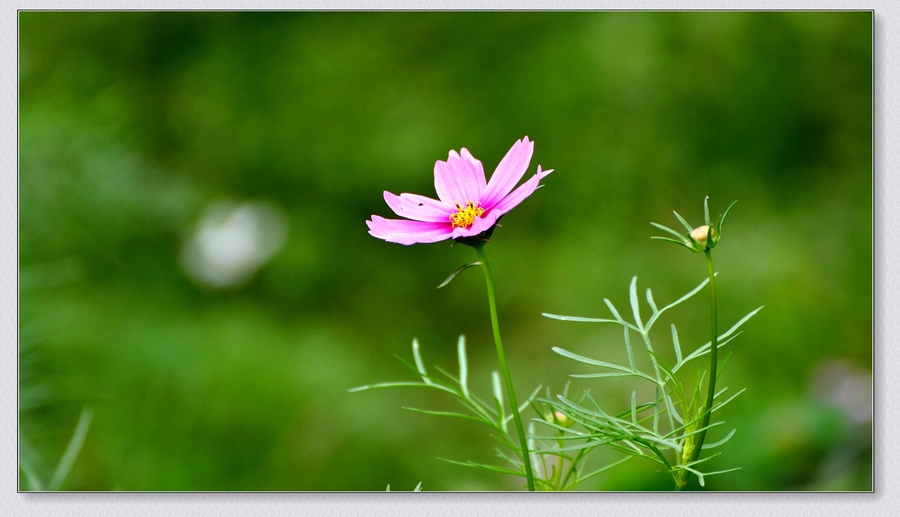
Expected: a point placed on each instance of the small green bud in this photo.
(559, 418)
(700, 239)
(700, 235)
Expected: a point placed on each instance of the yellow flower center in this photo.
(465, 215)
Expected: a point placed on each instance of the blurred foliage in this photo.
(132, 124)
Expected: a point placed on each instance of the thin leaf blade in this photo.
(458, 271)
(463, 365)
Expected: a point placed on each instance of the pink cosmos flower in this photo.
(467, 205)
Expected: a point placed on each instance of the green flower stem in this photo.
(713, 355)
(713, 363)
(514, 406)
(559, 464)
(573, 469)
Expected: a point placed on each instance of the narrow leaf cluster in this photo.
(564, 474)
(659, 429)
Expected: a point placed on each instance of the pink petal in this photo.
(406, 232)
(510, 170)
(418, 208)
(472, 172)
(445, 183)
(481, 224)
(459, 179)
(517, 196)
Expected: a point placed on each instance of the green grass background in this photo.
(131, 124)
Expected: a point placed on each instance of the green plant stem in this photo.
(573, 469)
(713, 364)
(510, 392)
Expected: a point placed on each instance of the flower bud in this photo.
(559, 418)
(700, 233)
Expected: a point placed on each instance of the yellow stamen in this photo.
(465, 215)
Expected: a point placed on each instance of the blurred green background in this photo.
(195, 266)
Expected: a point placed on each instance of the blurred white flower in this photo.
(232, 241)
(840, 384)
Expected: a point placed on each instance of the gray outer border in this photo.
(879, 503)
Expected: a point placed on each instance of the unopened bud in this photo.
(700, 234)
(559, 418)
